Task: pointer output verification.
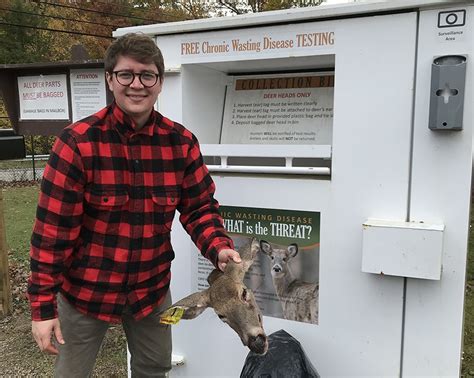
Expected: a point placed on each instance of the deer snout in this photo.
(258, 344)
(277, 268)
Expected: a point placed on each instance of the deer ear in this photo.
(249, 253)
(293, 250)
(265, 247)
(254, 248)
(193, 305)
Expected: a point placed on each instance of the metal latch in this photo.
(448, 76)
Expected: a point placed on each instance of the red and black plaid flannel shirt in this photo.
(107, 202)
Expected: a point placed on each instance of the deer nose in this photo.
(258, 344)
(277, 269)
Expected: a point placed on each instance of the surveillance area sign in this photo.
(451, 25)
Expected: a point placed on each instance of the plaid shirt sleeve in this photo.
(57, 225)
(199, 210)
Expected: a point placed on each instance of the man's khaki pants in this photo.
(149, 342)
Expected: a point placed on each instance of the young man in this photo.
(102, 232)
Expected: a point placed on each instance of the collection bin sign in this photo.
(279, 109)
(43, 97)
(285, 274)
(87, 92)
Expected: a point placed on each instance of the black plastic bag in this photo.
(285, 359)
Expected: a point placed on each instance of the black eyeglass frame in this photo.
(135, 74)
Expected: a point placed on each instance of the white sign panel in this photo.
(279, 109)
(292, 40)
(43, 97)
(87, 92)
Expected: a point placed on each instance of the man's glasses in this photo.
(125, 78)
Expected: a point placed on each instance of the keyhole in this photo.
(446, 92)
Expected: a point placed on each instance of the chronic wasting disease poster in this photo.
(284, 276)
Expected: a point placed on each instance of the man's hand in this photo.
(43, 332)
(225, 256)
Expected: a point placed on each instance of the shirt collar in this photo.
(125, 125)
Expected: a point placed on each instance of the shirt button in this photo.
(105, 199)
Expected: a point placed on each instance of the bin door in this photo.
(359, 332)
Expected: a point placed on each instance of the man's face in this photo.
(135, 99)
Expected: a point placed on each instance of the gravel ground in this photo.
(20, 357)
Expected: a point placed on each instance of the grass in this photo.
(468, 354)
(19, 212)
(20, 207)
(470, 255)
(19, 164)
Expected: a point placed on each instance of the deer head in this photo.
(232, 301)
(279, 257)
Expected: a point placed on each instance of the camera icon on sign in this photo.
(451, 19)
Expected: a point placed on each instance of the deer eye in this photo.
(285, 259)
(244, 294)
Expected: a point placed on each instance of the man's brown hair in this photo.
(137, 46)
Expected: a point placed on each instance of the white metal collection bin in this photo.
(346, 130)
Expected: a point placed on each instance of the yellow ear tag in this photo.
(172, 316)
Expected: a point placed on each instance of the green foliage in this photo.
(246, 6)
(42, 144)
(40, 39)
(23, 44)
(4, 120)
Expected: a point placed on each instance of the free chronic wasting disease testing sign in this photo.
(43, 97)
